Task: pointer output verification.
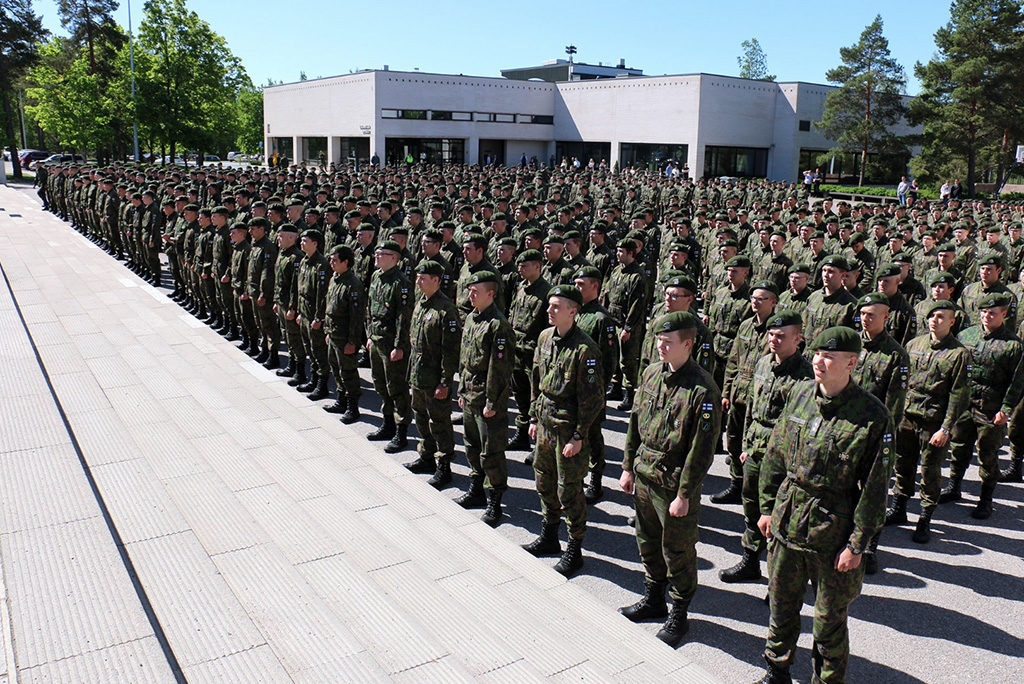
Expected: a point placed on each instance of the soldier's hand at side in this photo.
(262, 301)
(441, 392)
(532, 430)
(939, 439)
(847, 560)
(743, 457)
(290, 315)
(349, 349)
(624, 336)
(572, 448)
(243, 297)
(489, 413)
(396, 355)
(626, 481)
(1000, 419)
(461, 407)
(764, 523)
(225, 278)
(275, 308)
(316, 324)
(679, 507)
(725, 405)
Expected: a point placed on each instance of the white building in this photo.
(717, 125)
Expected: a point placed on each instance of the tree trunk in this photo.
(9, 132)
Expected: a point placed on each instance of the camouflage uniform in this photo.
(528, 316)
(344, 314)
(239, 276)
(260, 285)
(750, 345)
(824, 311)
(286, 268)
(624, 297)
(567, 384)
(387, 326)
(823, 481)
(670, 444)
(435, 336)
(728, 309)
(593, 319)
(973, 293)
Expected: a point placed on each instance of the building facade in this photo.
(716, 125)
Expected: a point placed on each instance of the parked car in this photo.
(29, 157)
(64, 159)
(177, 160)
(234, 156)
(211, 158)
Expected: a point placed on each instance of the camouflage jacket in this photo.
(345, 309)
(728, 309)
(750, 345)
(435, 336)
(285, 268)
(937, 392)
(567, 380)
(593, 319)
(996, 373)
(769, 389)
(825, 311)
(529, 316)
(975, 291)
(260, 280)
(485, 362)
(309, 291)
(390, 309)
(624, 296)
(239, 266)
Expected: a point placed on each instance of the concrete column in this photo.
(614, 153)
(377, 142)
(473, 149)
(297, 149)
(333, 149)
(550, 152)
(267, 152)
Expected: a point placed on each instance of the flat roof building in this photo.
(716, 125)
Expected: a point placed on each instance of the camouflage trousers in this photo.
(209, 287)
(263, 319)
(391, 382)
(972, 429)
(912, 447)
(753, 540)
(630, 356)
(595, 440)
(667, 544)
(226, 301)
(486, 439)
(559, 479)
(243, 316)
(734, 426)
(434, 423)
(293, 337)
(345, 368)
(315, 344)
(789, 571)
(521, 387)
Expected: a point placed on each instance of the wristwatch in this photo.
(577, 436)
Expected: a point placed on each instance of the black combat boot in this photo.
(492, 516)
(1013, 473)
(729, 495)
(400, 441)
(274, 360)
(747, 570)
(529, 458)
(984, 508)
(923, 533)
(244, 344)
(385, 431)
(232, 334)
(652, 605)
(310, 383)
(320, 389)
(289, 370)
(254, 346)
(339, 405)
(951, 492)
(547, 543)
(424, 465)
(627, 402)
(595, 489)
(776, 675)
(299, 378)
(572, 558)
(264, 352)
(675, 628)
(443, 475)
(474, 496)
(614, 392)
(352, 414)
(520, 440)
(896, 514)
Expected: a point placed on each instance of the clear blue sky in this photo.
(277, 39)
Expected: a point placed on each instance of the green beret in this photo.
(817, 235)
(836, 261)
(946, 247)
(903, 258)
(344, 253)
(507, 242)
(332, 209)
(287, 228)
(729, 243)
(779, 233)
(572, 235)
(365, 226)
(433, 235)
(137, 196)
(939, 305)
(872, 298)
(627, 243)
(677, 320)
(888, 271)
(993, 229)
(313, 234)
(857, 237)
(768, 285)
(391, 246)
(415, 210)
(683, 281)
(484, 277)
(238, 225)
(554, 240)
(354, 214)
(994, 299)
(476, 240)
(568, 292)
(991, 259)
(589, 272)
(942, 277)
(431, 268)
(276, 206)
(191, 207)
(781, 319)
(529, 255)
(400, 230)
(312, 210)
(296, 203)
(678, 245)
(259, 221)
(725, 230)
(837, 339)
(738, 261)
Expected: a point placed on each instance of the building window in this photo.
(440, 116)
(483, 116)
(537, 119)
(652, 156)
(462, 116)
(389, 113)
(419, 114)
(805, 125)
(745, 162)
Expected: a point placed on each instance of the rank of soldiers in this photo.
(832, 351)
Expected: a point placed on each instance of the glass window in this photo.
(745, 162)
(536, 119)
(805, 125)
(389, 113)
(440, 116)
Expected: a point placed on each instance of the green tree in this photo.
(971, 91)
(753, 62)
(860, 113)
(249, 108)
(91, 23)
(20, 28)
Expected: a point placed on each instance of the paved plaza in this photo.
(172, 510)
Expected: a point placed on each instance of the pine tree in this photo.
(753, 62)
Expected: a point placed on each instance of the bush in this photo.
(873, 191)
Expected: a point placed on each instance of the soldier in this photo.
(238, 274)
(625, 299)
(990, 269)
(670, 445)
(387, 326)
(260, 293)
(485, 369)
(729, 307)
(344, 319)
(997, 383)
(937, 394)
(435, 341)
(902, 322)
(220, 266)
(750, 345)
(567, 399)
(832, 305)
(309, 295)
(286, 268)
(822, 491)
(593, 319)
(773, 378)
(474, 247)
(795, 298)
(528, 316)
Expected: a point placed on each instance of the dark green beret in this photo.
(990, 259)
(572, 235)
(589, 272)
(781, 319)
(391, 246)
(678, 245)
(137, 196)
(994, 299)
(312, 210)
(903, 258)
(529, 255)
(431, 268)
(191, 207)
(499, 216)
(276, 206)
(313, 234)
(476, 240)
(939, 305)
(507, 242)
(837, 339)
(677, 320)
(993, 229)
(779, 233)
(365, 226)
(836, 261)
(433, 235)
(354, 214)
(946, 247)
(332, 209)
(554, 240)
(817, 235)
(287, 228)
(683, 281)
(400, 230)
(627, 243)
(738, 261)
(768, 285)
(415, 210)
(725, 230)
(857, 237)
(872, 298)
(568, 292)
(889, 271)
(729, 243)
(296, 203)
(484, 277)
(942, 277)
(238, 225)
(259, 221)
